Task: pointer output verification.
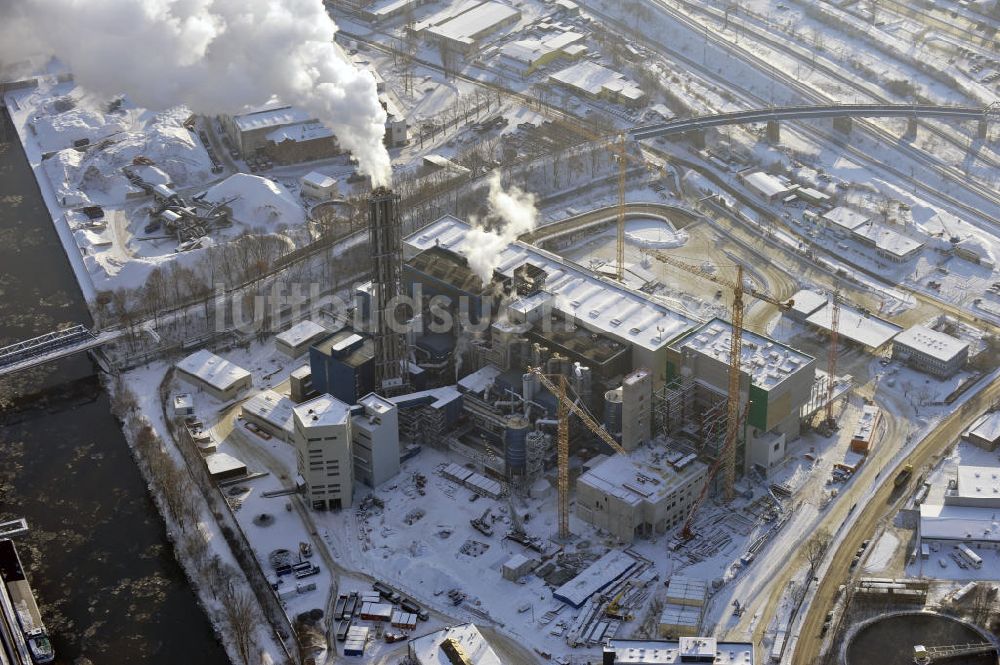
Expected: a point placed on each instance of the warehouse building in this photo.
(462, 644)
(527, 55)
(324, 452)
(768, 187)
(219, 378)
(375, 435)
(976, 486)
(627, 498)
(284, 133)
(296, 340)
(887, 243)
(464, 26)
(856, 326)
(272, 412)
(595, 81)
(776, 384)
(930, 351)
(685, 650)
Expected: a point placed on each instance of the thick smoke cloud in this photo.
(514, 213)
(214, 56)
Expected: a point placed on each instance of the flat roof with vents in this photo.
(931, 342)
(766, 361)
(685, 650)
(322, 411)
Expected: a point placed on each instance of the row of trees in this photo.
(237, 616)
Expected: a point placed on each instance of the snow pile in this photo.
(96, 175)
(57, 130)
(258, 201)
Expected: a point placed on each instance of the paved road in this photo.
(880, 505)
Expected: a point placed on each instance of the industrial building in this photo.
(343, 365)
(930, 351)
(776, 385)
(595, 81)
(683, 607)
(627, 499)
(769, 187)
(985, 432)
(684, 650)
(462, 644)
(857, 326)
(218, 377)
(977, 486)
(296, 340)
(272, 413)
(887, 242)
(527, 55)
(324, 452)
(463, 26)
(375, 437)
(281, 132)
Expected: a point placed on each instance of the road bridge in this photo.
(842, 114)
(52, 346)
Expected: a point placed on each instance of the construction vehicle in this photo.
(733, 420)
(614, 608)
(482, 524)
(567, 406)
(903, 476)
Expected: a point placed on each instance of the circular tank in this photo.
(613, 410)
(515, 444)
(889, 640)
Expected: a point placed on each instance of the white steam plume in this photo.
(215, 56)
(514, 211)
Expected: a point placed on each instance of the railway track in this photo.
(971, 212)
(831, 70)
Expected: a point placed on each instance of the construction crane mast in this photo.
(733, 420)
(831, 360)
(620, 246)
(565, 408)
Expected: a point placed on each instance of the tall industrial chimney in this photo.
(386, 246)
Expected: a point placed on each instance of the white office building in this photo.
(323, 444)
(375, 437)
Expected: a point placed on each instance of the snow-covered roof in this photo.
(271, 117)
(322, 411)
(273, 408)
(686, 590)
(223, 463)
(318, 180)
(659, 652)
(427, 649)
(480, 379)
(680, 615)
(300, 131)
(301, 333)
(183, 401)
(846, 217)
(213, 370)
(866, 423)
(595, 79)
(469, 21)
(978, 482)
(766, 361)
(869, 331)
(931, 342)
(596, 304)
(987, 427)
(765, 184)
(632, 482)
(943, 522)
(530, 51)
(806, 302)
(594, 577)
(888, 240)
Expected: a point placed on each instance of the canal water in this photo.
(97, 556)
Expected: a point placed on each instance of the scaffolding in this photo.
(687, 409)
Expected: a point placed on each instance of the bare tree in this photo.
(238, 610)
(815, 549)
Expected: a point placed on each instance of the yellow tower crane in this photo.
(565, 408)
(733, 420)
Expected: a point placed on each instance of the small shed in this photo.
(183, 405)
(517, 567)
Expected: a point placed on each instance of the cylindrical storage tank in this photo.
(515, 447)
(528, 386)
(613, 411)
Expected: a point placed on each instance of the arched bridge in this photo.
(777, 114)
(52, 346)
